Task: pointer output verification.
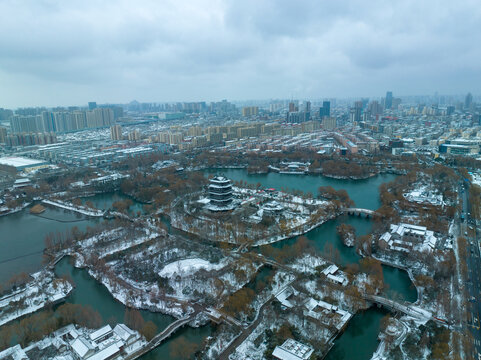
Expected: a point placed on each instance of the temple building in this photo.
(220, 193)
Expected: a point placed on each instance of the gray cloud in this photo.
(70, 52)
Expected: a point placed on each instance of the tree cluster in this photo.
(39, 325)
(343, 169)
(328, 192)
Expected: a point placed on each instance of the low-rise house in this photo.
(75, 343)
(101, 334)
(406, 237)
(334, 275)
(127, 335)
(82, 349)
(292, 350)
(286, 297)
(424, 195)
(272, 208)
(327, 313)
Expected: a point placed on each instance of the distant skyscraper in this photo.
(308, 106)
(116, 132)
(3, 135)
(250, 111)
(326, 107)
(100, 117)
(26, 124)
(292, 107)
(388, 102)
(92, 105)
(134, 135)
(468, 101)
(307, 111)
(395, 103)
(375, 108)
(356, 111)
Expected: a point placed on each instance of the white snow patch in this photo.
(188, 266)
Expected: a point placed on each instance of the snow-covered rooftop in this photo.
(81, 347)
(284, 295)
(20, 162)
(100, 332)
(400, 237)
(106, 353)
(292, 350)
(123, 332)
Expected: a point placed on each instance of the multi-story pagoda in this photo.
(220, 192)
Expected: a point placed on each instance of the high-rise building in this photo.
(134, 135)
(395, 103)
(92, 105)
(175, 138)
(195, 131)
(468, 101)
(116, 132)
(61, 121)
(3, 135)
(28, 139)
(450, 110)
(5, 114)
(118, 112)
(329, 123)
(375, 108)
(326, 107)
(48, 121)
(388, 101)
(356, 111)
(293, 107)
(79, 118)
(307, 106)
(25, 124)
(100, 117)
(250, 111)
(307, 111)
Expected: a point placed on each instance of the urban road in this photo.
(473, 284)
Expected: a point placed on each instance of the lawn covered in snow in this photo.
(188, 266)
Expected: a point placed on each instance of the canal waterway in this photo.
(104, 201)
(359, 340)
(23, 234)
(397, 282)
(23, 241)
(89, 292)
(364, 193)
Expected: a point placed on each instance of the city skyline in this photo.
(437, 99)
(63, 53)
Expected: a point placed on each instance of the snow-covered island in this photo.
(254, 216)
(347, 233)
(43, 290)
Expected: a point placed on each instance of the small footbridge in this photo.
(359, 212)
(161, 337)
(407, 309)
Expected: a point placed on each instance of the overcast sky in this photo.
(70, 52)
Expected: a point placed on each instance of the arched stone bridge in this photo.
(359, 212)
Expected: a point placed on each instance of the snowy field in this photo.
(188, 266)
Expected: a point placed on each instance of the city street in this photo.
(473, 283)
